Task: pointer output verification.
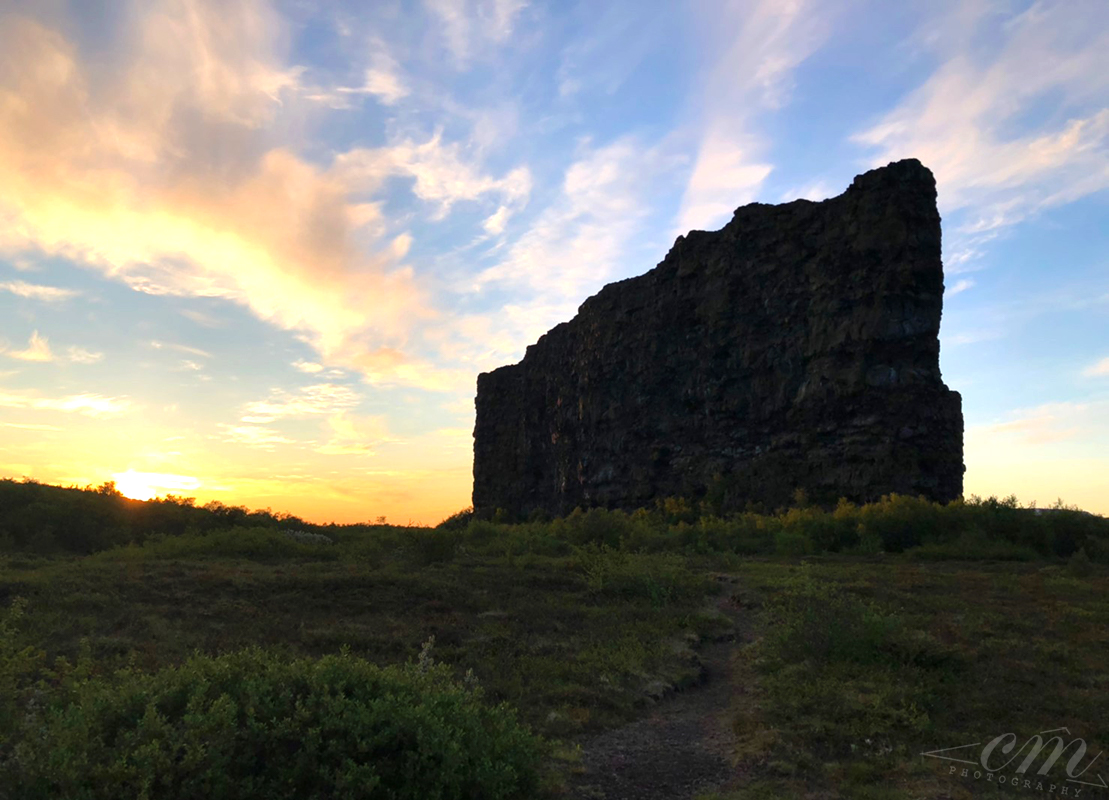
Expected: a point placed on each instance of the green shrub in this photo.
(974, 545)
(459, 520)
(19, 664)
(1079, 564)
(660, 578)
(792, 542)
(1097, 548)
(751, 533)
(842, 673)
(819, 622)
(646, 533)
(254, 543)
(250, 725)
(902, 522)
(479, 533)
(824, 531)
(426, 546)
(595, 526)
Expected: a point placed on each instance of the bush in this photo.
(258, 544)
(18, 665)
(974, 545)
(595, 526)
(902, 522)
(427, 546)
(304, 537)
(1079, 564)
(841, 673)
(660, 578)
(819, 622)
(249, 725)
(788, 542)
(458, 520)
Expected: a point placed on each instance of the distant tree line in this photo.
(39, 518)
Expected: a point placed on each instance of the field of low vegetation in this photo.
(163, 650)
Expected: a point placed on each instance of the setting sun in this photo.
(148, 485)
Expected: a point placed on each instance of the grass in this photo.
(573, 641)
(885, 630)
(862, 666)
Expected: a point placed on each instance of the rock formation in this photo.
(795, 348)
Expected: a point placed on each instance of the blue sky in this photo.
(259, 252)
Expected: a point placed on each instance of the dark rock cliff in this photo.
(795, 348)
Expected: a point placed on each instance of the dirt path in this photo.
(684, 746)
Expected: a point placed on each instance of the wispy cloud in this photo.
(320, 398)
(961, 285)
(384, 82)
(383, 79)
(470, 26)
(254, 436)
(79, 355)
(816, 191)
(49, 294)
(968, 121)
(29, 426)
(38, 349)
(354, 435)
(973, 336)
(442, 174)
(755, 47)
(202, 319)
(569, 251)
(614, 43)
(89, 405)
(1052, 422)
(1101, 368)
(181, 348)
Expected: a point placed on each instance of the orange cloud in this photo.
(164, 176)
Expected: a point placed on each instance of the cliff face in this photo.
(797, 347)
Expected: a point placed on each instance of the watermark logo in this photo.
(1000, 761)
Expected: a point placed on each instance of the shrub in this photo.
(902, 522)
(974, 545)
(841, 673)
(259, 544)
(458, 520)
(825, 532)
(791, 542)
(820, 622)
(250, 725)
(426, 546)
(18, 665)
(480, 532)
(304, 537)
(752, 533)
(595, 526)
(1079, 564)
(660, 578)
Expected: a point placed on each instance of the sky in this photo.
(258, 252)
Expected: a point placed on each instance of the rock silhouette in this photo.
(795, 348)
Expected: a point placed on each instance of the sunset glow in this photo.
(258, 252)
(148, 485)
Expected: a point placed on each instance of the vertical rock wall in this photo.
(796, 348)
